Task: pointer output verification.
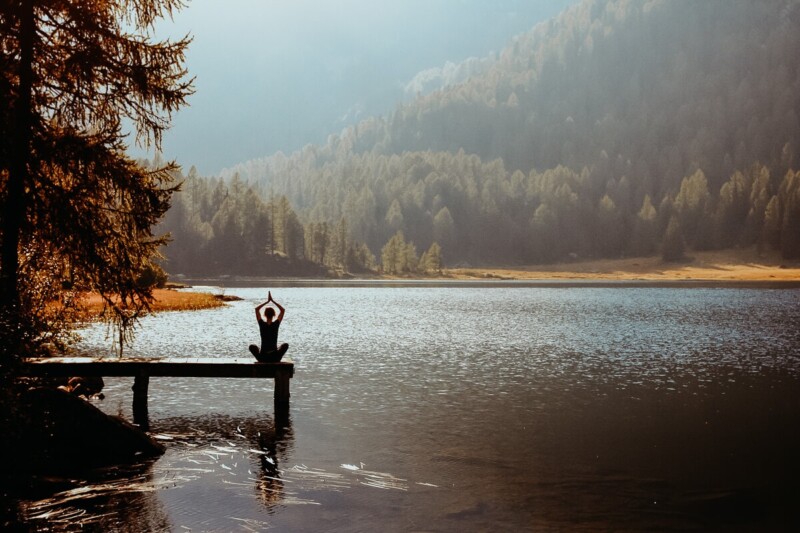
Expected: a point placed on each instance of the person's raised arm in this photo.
(280, 309)
(258, 311)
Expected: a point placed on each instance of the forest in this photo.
(620, 128)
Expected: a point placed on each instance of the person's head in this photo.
(269, 313)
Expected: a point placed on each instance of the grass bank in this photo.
(164, 300)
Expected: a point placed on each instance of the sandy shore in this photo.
(729, 265)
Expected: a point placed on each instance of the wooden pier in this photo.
(142, 369)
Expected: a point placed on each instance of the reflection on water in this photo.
(239, 454)
(107, 499)
(475, 408)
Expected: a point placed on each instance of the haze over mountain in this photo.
(620, 127)
(276, 75)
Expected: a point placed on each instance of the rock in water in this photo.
(58, 431)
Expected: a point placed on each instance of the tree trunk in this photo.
(14, 205)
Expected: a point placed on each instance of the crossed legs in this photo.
(269, 356)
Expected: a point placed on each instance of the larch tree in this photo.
(431, 260)
(673, 247)
(771, 232)
(76, 212)
(393, 254)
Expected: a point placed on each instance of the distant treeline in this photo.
(227, 228)
(458, 209)
(662, 125)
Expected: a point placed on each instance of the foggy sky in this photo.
(278, 74)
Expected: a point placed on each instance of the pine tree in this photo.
(409, 259)
(731, 210)
(396, 255)
(431, 260)
(339, 244)
(71, 202)
(771, 233)
(359, 258)
(690, 206)
(444, 228)
(672, 248)
(644, 229)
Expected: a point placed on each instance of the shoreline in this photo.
(275, 283)
(702, 267)
(730, 268)
(727, 268)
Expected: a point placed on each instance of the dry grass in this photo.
(165, 300)
(729, 265)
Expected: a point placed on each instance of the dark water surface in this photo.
(466, 408)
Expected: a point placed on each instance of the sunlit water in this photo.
(468, 408)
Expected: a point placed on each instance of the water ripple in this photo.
(473, 405)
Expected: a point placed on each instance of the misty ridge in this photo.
(619, 128)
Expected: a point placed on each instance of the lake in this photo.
(430, 407)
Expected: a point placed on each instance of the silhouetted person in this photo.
(268, 327)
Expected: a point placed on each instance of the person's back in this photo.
(269, 331)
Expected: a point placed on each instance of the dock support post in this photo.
(140, 414)
(282, 377)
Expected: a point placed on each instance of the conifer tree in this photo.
(339, 244)
(76, 212)
(391, 254)
(771, 232)
(690, 207)
(672, 248)
(431, 260)
(409, 259)
(644, 229)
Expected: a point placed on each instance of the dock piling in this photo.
(141, 382)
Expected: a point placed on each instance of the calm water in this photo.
(468, 409)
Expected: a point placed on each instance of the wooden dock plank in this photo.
(143, 369)
(168, 367)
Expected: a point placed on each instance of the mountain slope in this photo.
(621, 127)
(660, 88)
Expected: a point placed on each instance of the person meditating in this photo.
(268, 327)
